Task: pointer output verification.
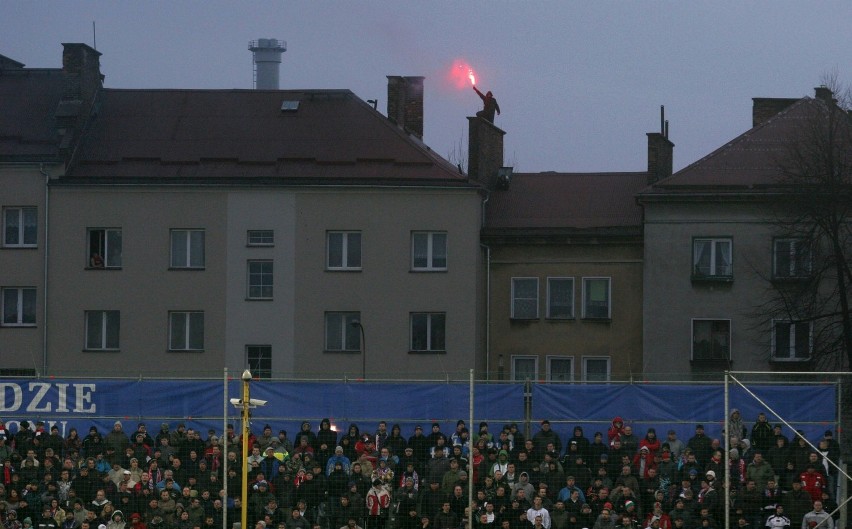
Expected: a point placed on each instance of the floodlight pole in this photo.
(246, 378)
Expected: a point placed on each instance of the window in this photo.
(711, 259)
(342, 333)
(428, 251)
(524, 298)
(596, 369)
(791, 341)
(560, 298)
(560, 369)
(343, 250)
(791, 259)
(596, 297)
(104, 248)
(102, 330)
(259, 360)
(260, 280)
(20, 227)
(187, 248)
(711, 340)
(428, 330)
(261, 238)
(186, 331)
(524, 367)
(19, 307)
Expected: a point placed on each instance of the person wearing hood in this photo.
(762, 434)
(502, 463)
(736, 426)
(615, 429)
(326, 436)
(523, 483)
(136, 522)
(12, 521)
(651, 441)
(305, 431)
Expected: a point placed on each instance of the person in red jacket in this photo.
(813, 482)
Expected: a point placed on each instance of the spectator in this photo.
(543, 437)
(701, 445)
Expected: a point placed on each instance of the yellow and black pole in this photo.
(246, 378)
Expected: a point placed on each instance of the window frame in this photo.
(188, 256)
(710, 360)
(260, 234)
(551, 358)
(262, 276)
(344, 251)
(793, 257)
(696, 275)
(20, 305)
(430, 323)
(187, 314)
(608, 280)
(607, 359)
(513, 373)
(792, 341)
(103, 248)
(512, 311)
(256, 365)
(549, 314)
(22, 226)
(430, 251)
(104, 316)
(344, 328)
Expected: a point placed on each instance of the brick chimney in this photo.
(405, 102)
(824, 93)
(660, 156)
(82, 78)
(485, 151)
(763, 108)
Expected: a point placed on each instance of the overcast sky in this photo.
(579, 83)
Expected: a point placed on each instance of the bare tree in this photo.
(811, 207)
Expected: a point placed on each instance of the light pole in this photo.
(357, 323)
(244, 404)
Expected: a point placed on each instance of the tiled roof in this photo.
(28, 101)
(749, 162)
(567, 200)
(244, 134)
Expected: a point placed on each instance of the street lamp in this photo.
(244, 404)
(357, 323)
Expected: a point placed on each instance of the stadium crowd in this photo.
(614, 479)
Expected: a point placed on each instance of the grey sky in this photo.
(579, 83)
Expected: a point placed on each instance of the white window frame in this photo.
(692, 339)
(430, 322)
(516, 358)
(21, 231)
(347, 258)
(104, 248)
(190, 318)
(19, 294)
(553, 358)
(587, 359)
(103, 319)
(259, 283)
(586, 281)
(515, 299)
(430, 251)
(793, 326)
(715, 243)
(260, 238)
(341, 324)
(550, 281)
(259, 360)
(793, 254)
(184, 258)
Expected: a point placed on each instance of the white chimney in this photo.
(266, 56)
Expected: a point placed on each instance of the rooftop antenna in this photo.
(94, 36)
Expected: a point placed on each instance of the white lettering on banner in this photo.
(40, 398)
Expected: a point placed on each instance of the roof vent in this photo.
(289, 106)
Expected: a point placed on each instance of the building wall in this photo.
(23, 186)
(673, 299)
(619, 339)
(145, 289)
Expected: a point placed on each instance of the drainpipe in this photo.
(46, 247)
